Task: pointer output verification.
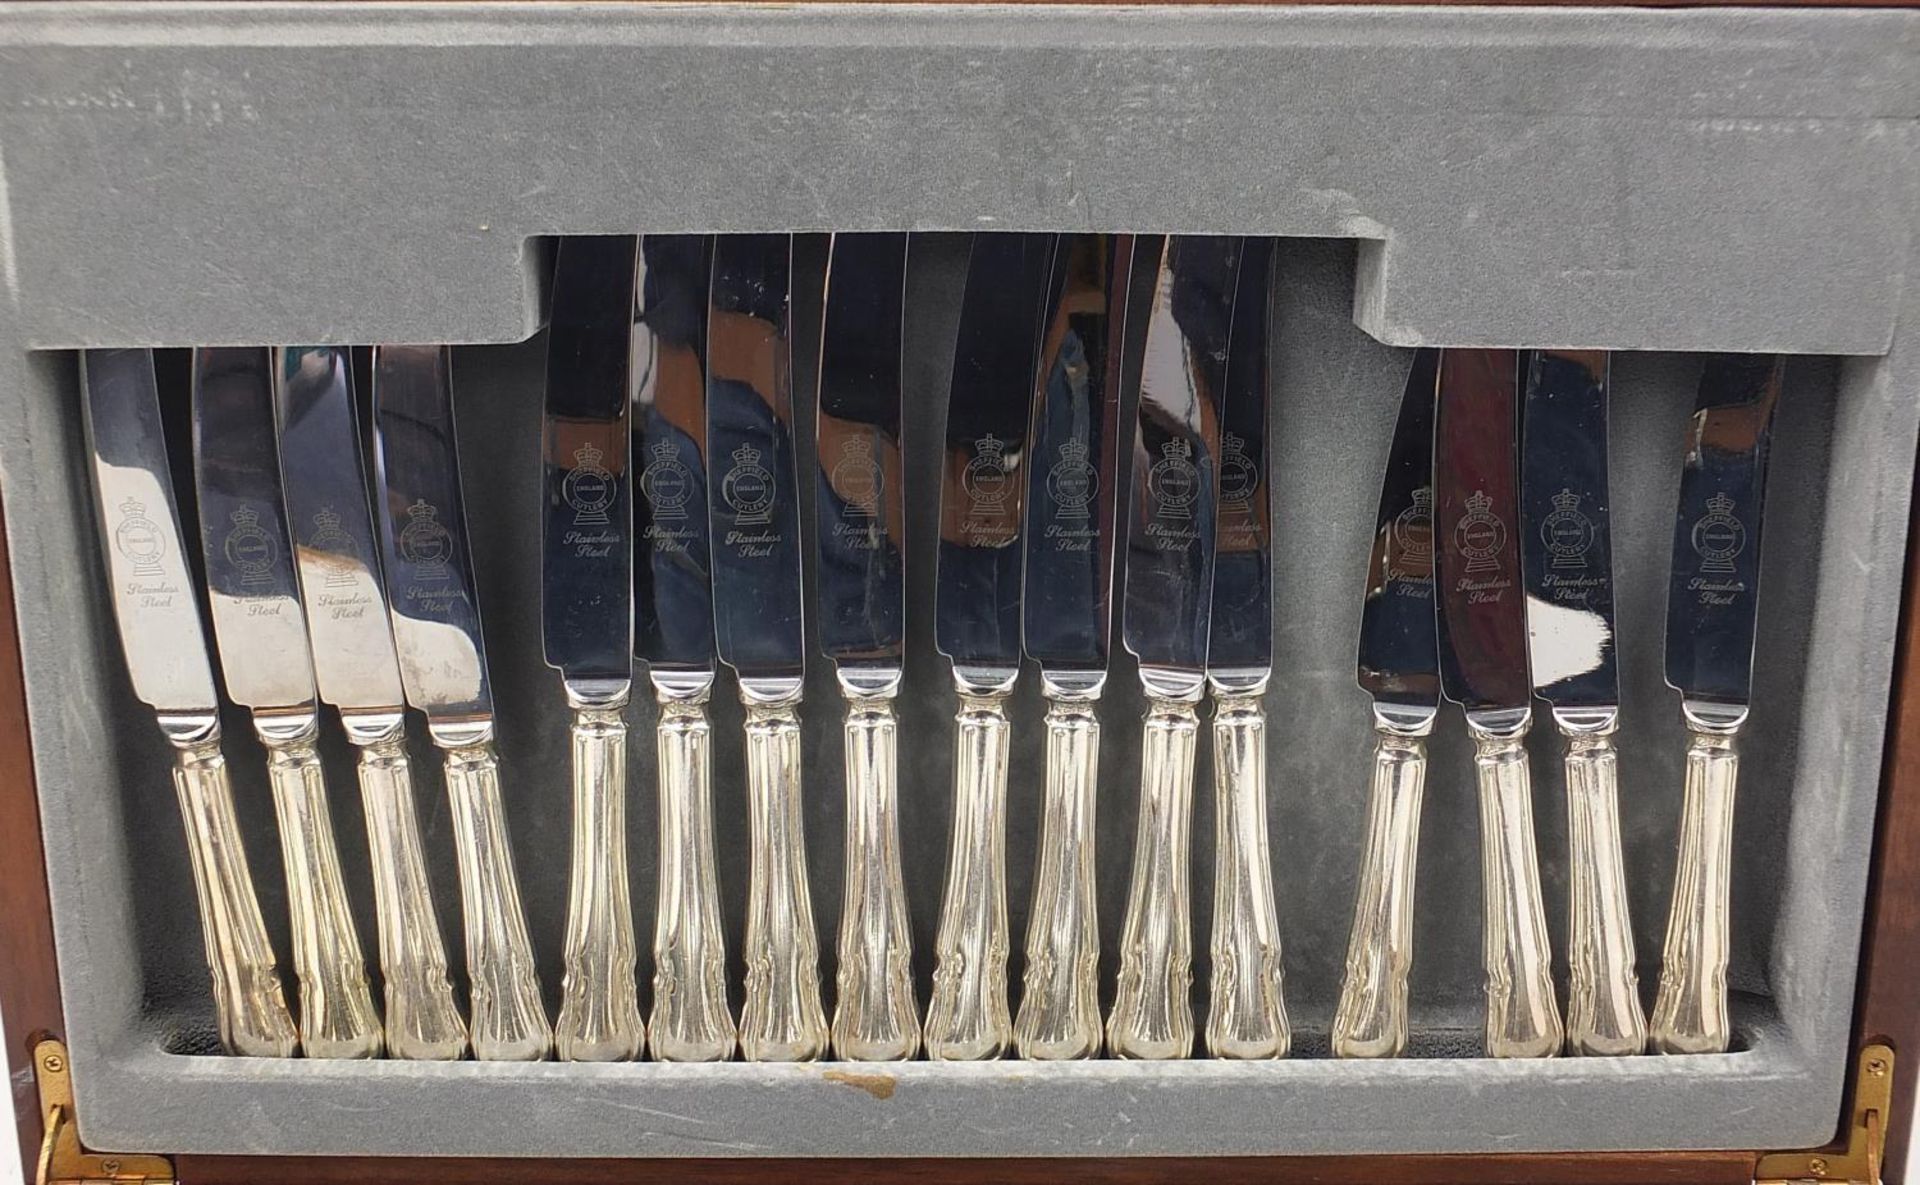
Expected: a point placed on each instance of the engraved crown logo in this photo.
(1074, 452)
(329, 535)
(1412, 558)
(1173, 480)
(1718, 537)
(1480, 536)
(1720, 504)
(986, 478)
(665, 482)
(748, 487)
(1238, 477)
(425, 543)
(1232, 444)
(421, 512)
(1177, 450)
(1566, 500)
(587, 456)
(589, 489)
(249, 548)
(1567, 534)
(989, 446)
(664, 450)
(746, 455)
(139, 538)
(246, 516)
(326, 522)
(857, 477)
(1072, 482)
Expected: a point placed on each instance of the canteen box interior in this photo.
(1656, 182)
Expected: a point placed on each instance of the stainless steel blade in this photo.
(1242, 615)
(1399, 656)
(333, 535)
(153, 598)
(257, 617)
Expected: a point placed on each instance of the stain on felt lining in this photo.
(880, 1086)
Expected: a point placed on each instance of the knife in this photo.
(1570, 633)
(1167, 623)
(443, 666)
(268, 668)
(586, 619)
(861, 543)
(1483, 667)
(977, 626)
(1400, 669)
(1066, 620)
(357, 671)
(1711, 601)
(1248, 1016)
(158, 617)
(673, 635)
(755, 527)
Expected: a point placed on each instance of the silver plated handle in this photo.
(248, 1004)
(1152, 1017)
(423, 1023)
(1060, 1006)
(508, 1021)
(1523, 1018)
(691, 1022)
(1248, 1014)
(783, 1020)
(876, 1018)
(1603, 992)
(337, 1017)
(1690, 1009)
(599, 1017)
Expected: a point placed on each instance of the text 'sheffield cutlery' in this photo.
(861, 545)
(1248, 1016)
(443, 666)
(1067, 619)
(1569, 564)
(1483, 667)
(1400, 669)
(1167, 623)
(977, 626)
(358, 672)
(268, 667)
(586, 618)
(673, 635)
(755, 524)
(1712, 598)
(158, 615)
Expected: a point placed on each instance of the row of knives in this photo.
(673, 537)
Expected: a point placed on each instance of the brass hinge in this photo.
(62, 1160)
(1858, 1161)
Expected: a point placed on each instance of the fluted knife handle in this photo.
(337, 1018)
(1248, 1014)
(247, 1001)
(876, 1018)
(1152, 1017)
(599, 1017)
(1371, 1019)
(1690, 1010)
(423, 1023)
(1603, 992)
(1060, 1006)
(691, 1022)
(969, 1017)
(783, 1020)
(508, 1021)
(1523, 1018)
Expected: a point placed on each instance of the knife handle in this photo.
(1151, 1016)
(508, 1020)
(691, 1022)
(1523, 1018)
(1248, 1014)
(247, 1001)
(337, 1018)
(1603, 993)
(969, 1018)
(599, 1017)
(876, 1017)
(782, 1020)
(423, 1022)
(1060, 1006)
(1690, 1009)
(1371, 1019)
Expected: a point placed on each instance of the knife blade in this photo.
(1247, 1017)
(860, 546)
(1400, 670)
(357, 671)
(158, 617)
(1167, 624)
(261, 633)
(1712, 600)
(435, 614)
(1570, 634)
(755, 526)
(587, 628)
(673, 635)
(977, 626)
(1067, 617)
(1483, 667)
